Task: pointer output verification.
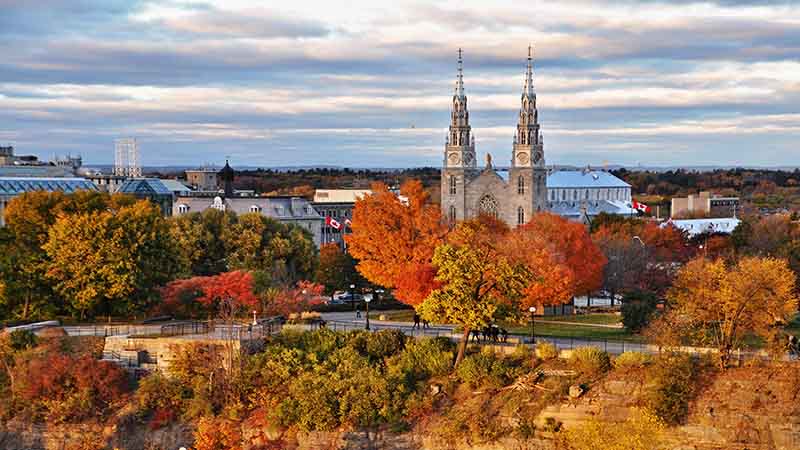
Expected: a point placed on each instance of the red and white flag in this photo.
(331, 222)
(641, 207)
(348, 222)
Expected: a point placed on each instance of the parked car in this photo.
(349, 297)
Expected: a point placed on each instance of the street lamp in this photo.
(353, 298)
(255, 322)
(637, 238)
(367, 299)
(532, 309)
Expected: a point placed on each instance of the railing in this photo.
(614, 347)
(184, 328)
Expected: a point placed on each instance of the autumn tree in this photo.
(336, 269)
(193, 296)
(23, 261)
(198, 241)
(719, 304)
(570, 262)
(479, 282)
(286, 253)
(394, 239)
(110, 261)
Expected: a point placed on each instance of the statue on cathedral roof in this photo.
(488, 160)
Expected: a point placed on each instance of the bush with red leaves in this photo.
(62, 388)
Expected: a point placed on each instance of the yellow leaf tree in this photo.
(479, 283)
(719, 304)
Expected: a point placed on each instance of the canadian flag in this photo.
(641, 207)
(348, 222)
(331, 222)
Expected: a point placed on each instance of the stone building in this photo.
(703, 205)
(286, 209)
(468, 191)
(338, 205)
(202, 179)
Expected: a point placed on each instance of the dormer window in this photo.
(255, 209)
(183, 208)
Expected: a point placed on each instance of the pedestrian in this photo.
(425, 324)
(416, 321)
(504, 333)
(358, 312)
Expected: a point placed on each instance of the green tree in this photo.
(637, 309)
(110, 261)
(199, 244)
(480, 284)
(258, 243)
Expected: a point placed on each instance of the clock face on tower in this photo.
(537, 156)
(522, 158)
(454, 158)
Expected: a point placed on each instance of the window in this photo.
(521, 185)
(586, 195)
(452, 185)
(574, 194)
(255, 208)
(183, 208)
(520, 216)
(488, 205)
(452, 214)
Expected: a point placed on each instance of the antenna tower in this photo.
(126, 158)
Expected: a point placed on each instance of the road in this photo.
(347, 321)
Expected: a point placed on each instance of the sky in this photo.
(369, 83)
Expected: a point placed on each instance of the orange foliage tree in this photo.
(575, 262)
(394, 240)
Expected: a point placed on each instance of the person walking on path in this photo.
(416, 321)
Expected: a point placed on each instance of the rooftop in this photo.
(144, 186)
(339, 195)
(15, 186)
(584, 179)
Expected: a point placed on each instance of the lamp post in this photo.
(532, 309)
(255, 322)
(367, 299)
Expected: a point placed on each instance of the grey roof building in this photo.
(582, 194)
(11, 187)
(291, 210)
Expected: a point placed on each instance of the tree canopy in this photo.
(394, 239)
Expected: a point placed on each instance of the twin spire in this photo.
(526, 90)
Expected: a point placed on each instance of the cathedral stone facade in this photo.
(468, 191)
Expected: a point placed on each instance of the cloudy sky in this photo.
(368, 83)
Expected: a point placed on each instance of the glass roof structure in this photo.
(144, 186)
(13, 186)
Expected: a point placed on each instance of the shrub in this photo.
(60, 388)
(22, 339)
(546, 351)
(590, 360)
(522, 353)
(637, 310)
(422, 359)
(632, 360)
(162, 396)
(482, 368)
(642, 431)
(673, 387)
(379, 345)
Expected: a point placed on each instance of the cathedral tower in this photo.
(459, 152)
(528, 176)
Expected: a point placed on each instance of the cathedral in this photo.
(512, 196)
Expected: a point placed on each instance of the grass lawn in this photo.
(574, 331)
(589, 319)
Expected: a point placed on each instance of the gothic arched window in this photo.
(488, 205)
(520, 216)
(452, 214)
(521, 185)
(452, 185)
